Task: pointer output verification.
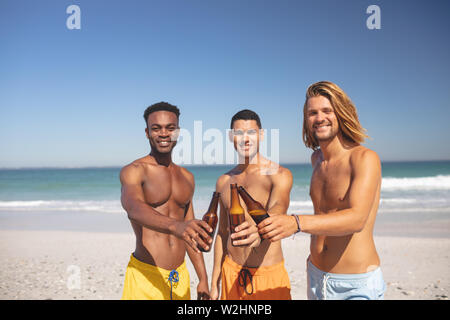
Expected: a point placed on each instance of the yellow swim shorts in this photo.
(263, 283)
(144, 281)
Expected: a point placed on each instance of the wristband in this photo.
(298, 223)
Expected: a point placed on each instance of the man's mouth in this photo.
(164, 143)
(246, 146)
(321, 127)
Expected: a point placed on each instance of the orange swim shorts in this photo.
(263, 283)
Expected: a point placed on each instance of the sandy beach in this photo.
(72, 263)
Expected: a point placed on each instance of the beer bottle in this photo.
(210, 217)
(237, 215)
(254, 208)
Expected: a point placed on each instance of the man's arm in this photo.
(281, 191)
(133, 201)
(198, 263)
(220, 250)
(365, 184)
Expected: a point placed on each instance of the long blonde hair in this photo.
(344, 110)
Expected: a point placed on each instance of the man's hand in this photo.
(277, 227)
(214, 294)
(250, 234)
(194, 232)
(203, 291)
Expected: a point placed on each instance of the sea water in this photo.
(406, 187)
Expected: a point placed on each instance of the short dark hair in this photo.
(161, 106)
(246, 114)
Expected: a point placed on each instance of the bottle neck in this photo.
(214, 203)
(245, 196)
(249, 201)
(235, 207)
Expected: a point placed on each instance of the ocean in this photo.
(415, 187)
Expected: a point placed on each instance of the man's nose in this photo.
(164, 132)
(320, 117)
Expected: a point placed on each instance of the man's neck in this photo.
(333, 148)
(247, 163)
(163, 159)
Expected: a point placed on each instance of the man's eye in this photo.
(238, 133)
(251, 132)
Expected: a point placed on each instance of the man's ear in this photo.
(146, 133)
(261, 134)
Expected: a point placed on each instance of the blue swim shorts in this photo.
(334, 286)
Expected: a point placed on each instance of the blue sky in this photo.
(76, 97)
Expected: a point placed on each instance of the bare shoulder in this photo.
(316, 157)
(187, 174)
(364, 158)
(363, 153)
(222, 181)
(132, 173)
(283, 175)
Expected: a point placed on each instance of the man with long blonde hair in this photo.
(345, 191)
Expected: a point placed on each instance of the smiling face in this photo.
(321, 119)
(162, 131)
(245, 137)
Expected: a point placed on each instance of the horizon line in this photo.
(196, 165)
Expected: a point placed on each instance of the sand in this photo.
(70, 264)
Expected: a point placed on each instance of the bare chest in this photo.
(168, 190)
(258, 187)
(330, 185)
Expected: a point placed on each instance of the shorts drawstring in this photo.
(324, 286)
(173, 278)
(242, 280)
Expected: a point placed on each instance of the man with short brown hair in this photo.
(157, 195)
(250, 269)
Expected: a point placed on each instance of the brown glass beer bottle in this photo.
(254, 208)
(237, 215)
(210, 217)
